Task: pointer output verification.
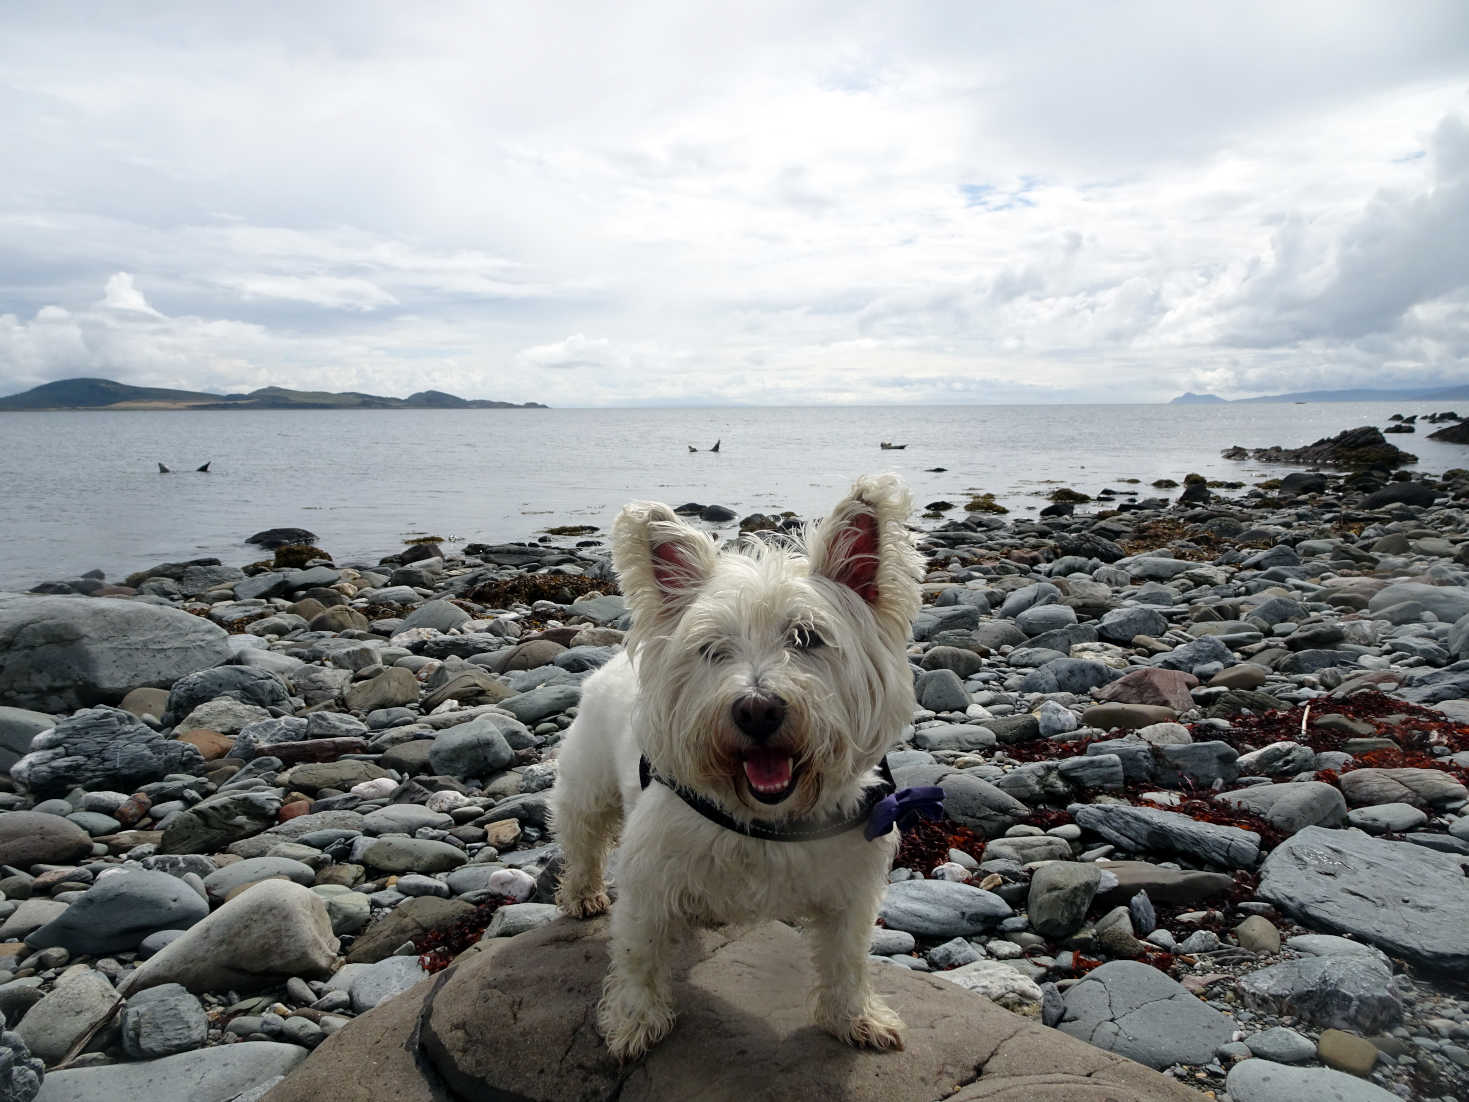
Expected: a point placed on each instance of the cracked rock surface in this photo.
(514, 1019)
(1137, 1011)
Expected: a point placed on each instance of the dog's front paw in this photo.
(630, 1034)
(583, 906)
(876, 1028)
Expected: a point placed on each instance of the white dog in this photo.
(735, 747)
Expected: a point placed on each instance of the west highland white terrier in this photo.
(737, 747)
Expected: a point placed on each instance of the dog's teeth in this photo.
(768, 771)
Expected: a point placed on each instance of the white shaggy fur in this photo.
(821, 628)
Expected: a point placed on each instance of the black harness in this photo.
(882, 804)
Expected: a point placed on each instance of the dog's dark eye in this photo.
(804, 637)
(712, 652)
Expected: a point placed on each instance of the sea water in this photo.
(81, 490)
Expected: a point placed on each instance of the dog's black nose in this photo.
(759, 716)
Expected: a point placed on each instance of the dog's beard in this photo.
(806, 767)
(772, 780)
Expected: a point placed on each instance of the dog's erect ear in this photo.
(660, 561)
(864, 545)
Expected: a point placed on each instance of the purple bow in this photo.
(925, 800)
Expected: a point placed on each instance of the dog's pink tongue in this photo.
(768, 770)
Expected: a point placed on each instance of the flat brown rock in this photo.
(515, 1019)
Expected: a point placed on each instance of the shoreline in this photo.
(1290, 660)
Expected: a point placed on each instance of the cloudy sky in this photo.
(761, 203)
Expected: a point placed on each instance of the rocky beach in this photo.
(1204, 750)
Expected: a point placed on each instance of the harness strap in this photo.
(881, 806)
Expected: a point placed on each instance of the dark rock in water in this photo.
(689, 509)
(272, 538)
(1354, 448)
(58, 654)
(101, 748)
(517, 554)
(476, 1028)
(716, 514)
(1195, 494)
(1454, 434)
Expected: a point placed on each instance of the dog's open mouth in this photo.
(770, 773)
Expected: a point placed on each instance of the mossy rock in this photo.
(1192, 479)
(984, 503)
(1165, 484)
(294, 556)
(1067, 496)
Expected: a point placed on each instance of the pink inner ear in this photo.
(857, 545)
(672, 569)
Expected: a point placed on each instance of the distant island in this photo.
(1443, 394)
(106, 394)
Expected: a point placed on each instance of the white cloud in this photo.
(774, 202)
(121, 294)
(333, 291)
(574, 351)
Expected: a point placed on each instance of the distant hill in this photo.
(1440, 394)
(106, 394)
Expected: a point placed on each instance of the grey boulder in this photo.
(941, 908)
(117, 912)
(474, 749)
(101, 748)
(1292, 805)
(1338, 992)
(163, 1021)
(1266, 1081)
(216, 822)
(208, 1075)
(18, 726)
(1401, 897)
(244, 684)
(58, 654)
(273, 930)
(510, 1021)
(1141, 829)
(979, 805)
(1136, 1011)
(1060, 893)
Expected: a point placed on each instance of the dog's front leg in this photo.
(846, 1005)
(636, 1011)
